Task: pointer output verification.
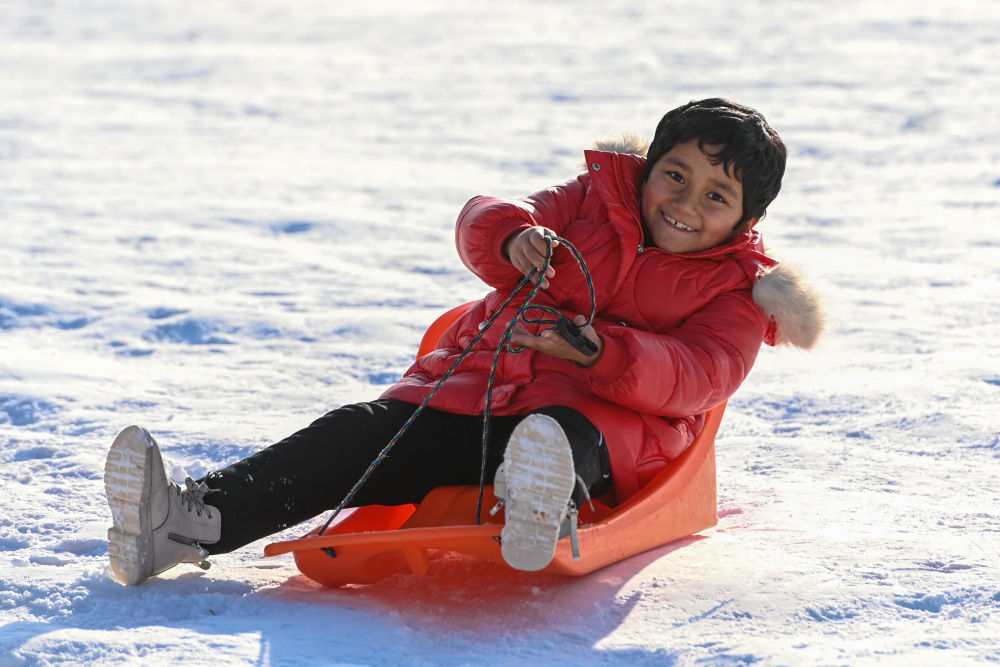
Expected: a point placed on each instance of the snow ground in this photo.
(223, 219)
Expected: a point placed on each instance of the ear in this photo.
(745, 227)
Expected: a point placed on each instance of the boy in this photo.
(685, 297)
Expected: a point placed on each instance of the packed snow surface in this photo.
(222, 219)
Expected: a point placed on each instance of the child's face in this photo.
(689, 203)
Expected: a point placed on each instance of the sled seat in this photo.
(376, 541)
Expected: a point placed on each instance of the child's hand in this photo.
(526, 251)
(550, 342)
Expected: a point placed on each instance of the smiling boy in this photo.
(685, 296)
(689, 202)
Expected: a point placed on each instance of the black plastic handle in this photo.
(574, 336)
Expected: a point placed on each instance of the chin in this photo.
(677, 245)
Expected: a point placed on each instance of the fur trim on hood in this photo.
(625, 142)
(793, 306)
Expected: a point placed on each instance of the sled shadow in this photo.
(459, 608)
(466, 595)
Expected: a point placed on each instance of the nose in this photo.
(684, 201)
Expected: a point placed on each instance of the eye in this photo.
(674, 175)
(715, 196)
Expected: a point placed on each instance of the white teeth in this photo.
(679, 225)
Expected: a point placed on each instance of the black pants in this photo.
(311, 471)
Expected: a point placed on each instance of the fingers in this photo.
(543, 342)
(541, 237)
(547, 341)
(538, 240)
(528, 250)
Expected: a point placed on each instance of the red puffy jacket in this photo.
(680, 331)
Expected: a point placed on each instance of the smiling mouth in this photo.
(679, 225)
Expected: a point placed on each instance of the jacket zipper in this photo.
(616, 171)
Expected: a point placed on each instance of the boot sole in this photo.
(538, 466)
(127, 487)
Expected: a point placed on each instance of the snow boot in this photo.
(535, 484)
(157, 524)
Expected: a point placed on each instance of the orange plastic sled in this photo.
(376, 541)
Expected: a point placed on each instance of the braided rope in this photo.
(504, 344)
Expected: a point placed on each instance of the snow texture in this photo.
(221, 219)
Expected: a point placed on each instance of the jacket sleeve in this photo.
(686, 370)
(487, 222)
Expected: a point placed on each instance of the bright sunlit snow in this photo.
(222, 219)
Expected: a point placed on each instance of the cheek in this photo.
(652, 195)
(647, 199)
(722, 225)
(645, 192)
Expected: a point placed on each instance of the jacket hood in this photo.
(791, 303)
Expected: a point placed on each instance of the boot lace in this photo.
(192, 496)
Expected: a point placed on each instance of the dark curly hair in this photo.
(750, 149)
